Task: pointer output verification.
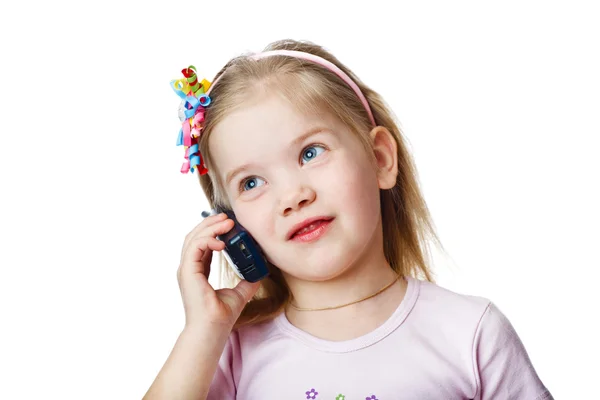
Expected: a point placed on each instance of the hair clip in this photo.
(194, 100)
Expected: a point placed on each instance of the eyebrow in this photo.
(309, 133)
(295, 142)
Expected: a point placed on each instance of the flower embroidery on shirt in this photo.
(312, 394)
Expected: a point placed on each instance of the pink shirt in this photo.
(436, 345)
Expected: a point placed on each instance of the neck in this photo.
(366, 276)
(359, 281)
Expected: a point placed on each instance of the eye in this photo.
(251, 183)
(311, 152)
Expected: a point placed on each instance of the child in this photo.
(313, 165)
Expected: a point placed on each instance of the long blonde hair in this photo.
(407, 224)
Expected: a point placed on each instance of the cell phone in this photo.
(241, 250)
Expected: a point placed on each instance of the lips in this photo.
(307, 227)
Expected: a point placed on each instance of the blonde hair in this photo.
(406, 220)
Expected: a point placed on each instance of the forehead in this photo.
(257, 129)
(258, 118)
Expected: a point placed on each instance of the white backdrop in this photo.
(500, 103)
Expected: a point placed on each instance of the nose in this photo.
(294, 199)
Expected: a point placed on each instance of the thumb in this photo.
(247, 290)
(241, 295)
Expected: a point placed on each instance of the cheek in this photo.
(257, 218)
(357, 186)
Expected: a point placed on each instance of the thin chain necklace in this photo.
(383, 289)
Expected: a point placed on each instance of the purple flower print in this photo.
(371, 398)
(312, 394)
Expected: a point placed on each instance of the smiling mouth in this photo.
(312, 230)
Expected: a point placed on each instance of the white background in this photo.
(499, 101)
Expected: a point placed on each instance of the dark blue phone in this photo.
(241, 250)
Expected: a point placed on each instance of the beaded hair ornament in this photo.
(195, 98)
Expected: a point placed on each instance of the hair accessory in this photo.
(194, 100)
(321, 61)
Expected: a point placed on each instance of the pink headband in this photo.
(196, 98)
(317, 60)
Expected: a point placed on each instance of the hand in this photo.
(203, 305)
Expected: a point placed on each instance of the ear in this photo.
(385, 150)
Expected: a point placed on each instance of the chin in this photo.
(329, 257)
(316, 274)
(318, 267)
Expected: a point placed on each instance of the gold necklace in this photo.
(383, 289)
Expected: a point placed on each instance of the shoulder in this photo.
(430, 291)
(478, 319)
(259, 331)
(441, 316)
(247, 345)
(481, 332)
(255, 336)
(440, 306)
(501, 362)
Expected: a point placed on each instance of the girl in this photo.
(313, 165)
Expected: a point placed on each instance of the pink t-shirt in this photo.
(436, 345)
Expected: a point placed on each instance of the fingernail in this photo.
(206, 214)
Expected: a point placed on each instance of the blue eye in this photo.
(251, 183)
(311, 152)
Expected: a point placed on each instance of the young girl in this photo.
(313, 165)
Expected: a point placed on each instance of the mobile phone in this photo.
(241, 250)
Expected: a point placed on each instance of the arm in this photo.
(189, 370)
(210, 316)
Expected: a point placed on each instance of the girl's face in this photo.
(281, 168)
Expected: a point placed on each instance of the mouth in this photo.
(310, 229)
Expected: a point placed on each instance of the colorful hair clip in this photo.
(194, 100)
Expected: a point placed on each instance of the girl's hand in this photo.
(205, 307)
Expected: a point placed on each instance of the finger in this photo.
(206, 222)
(191, 262)
(213, 230)
(217, 228)
(206, 259)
